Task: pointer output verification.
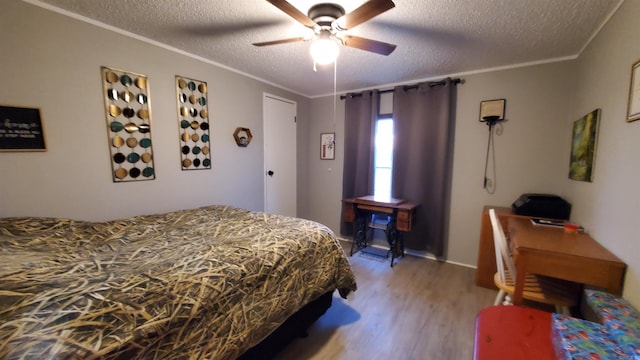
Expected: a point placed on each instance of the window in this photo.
(383, 158)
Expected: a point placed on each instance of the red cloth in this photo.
(513, 332)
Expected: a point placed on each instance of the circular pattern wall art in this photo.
(193, 120)
(128, 115)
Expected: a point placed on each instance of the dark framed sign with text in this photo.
(21, 129)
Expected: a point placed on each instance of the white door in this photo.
(279, 155)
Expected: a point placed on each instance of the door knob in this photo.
(270, 173)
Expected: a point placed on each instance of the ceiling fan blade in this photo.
(361, 43)
(367, 11)
(282, 41)
(292, 11)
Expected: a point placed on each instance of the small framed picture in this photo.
(492, 108)
(633, 110)
(21, 129)
(327, 146)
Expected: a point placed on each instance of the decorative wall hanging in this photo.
(633, 110)
(242, 136)
(21, 129)
(193, 118)
(327, 146)
(128, 114)
(583, 146)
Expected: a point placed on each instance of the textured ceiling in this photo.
(434, 38)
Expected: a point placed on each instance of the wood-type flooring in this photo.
(419, 309)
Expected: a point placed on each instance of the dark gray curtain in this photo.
(422, 159)
(361, 112)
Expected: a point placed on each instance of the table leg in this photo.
(395, 240)
(359, 234)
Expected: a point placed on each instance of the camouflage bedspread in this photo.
(206, 283)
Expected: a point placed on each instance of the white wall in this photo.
(610, 205)
(531, 154)
(52, 62)
(324, 177)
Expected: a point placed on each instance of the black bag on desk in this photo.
(542, 205)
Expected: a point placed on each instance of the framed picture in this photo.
(633, 110)
(21, 129)
(327, 146)
(492, 108)
(583, 146)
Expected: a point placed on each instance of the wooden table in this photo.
(553, 252)
(401, 214)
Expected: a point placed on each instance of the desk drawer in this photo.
(348, 212)
(378, 209)
(405, 220)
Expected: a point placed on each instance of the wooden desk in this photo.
(553, 252)
(402, 216)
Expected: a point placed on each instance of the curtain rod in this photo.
(406, 87)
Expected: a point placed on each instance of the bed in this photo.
(206, 283)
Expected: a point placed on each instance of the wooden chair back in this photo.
(503, 254)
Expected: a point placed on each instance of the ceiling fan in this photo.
(330, 23)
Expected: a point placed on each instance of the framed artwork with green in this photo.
(583, 146)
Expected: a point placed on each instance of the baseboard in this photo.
(420, 254)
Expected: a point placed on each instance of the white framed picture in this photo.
(327, 146)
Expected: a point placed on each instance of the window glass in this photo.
(383, 161)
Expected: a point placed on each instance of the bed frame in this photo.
(295, 326)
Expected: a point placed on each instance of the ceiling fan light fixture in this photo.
(329, 22)
(324, 50)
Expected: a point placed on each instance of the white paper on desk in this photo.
(545, 222)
